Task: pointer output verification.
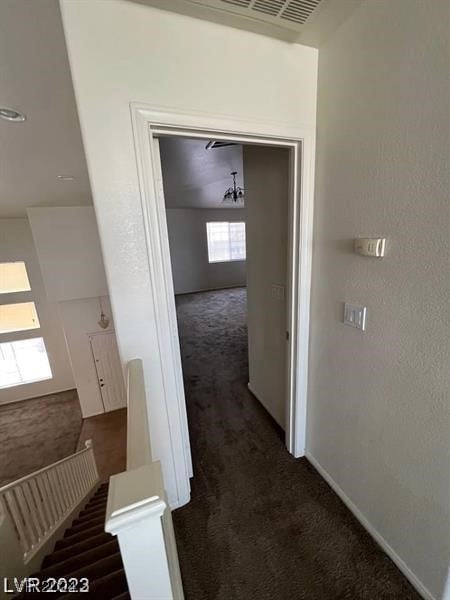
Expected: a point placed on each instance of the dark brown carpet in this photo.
(37, 432)
(261, 524)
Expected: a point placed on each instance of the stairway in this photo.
(87, 551)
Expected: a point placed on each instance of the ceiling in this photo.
(35, 79)
(194, 177)
(308, 22)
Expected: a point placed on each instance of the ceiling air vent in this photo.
(244, 3)
(287, 13)
(298, 11)
(269, 7)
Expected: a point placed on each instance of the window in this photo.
(18, 317)
(13, 278)
(226, 241)
(23, 361)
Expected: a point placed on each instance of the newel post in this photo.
(137, 514)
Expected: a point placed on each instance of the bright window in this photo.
(13, 278)
(18, 317)
(23, 361)
(226, 241)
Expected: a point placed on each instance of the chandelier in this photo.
(234, 194)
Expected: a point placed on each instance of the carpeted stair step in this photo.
(98, 498)
(105, 588)
(90, 508)
(69, 551)
(92, 514)
(93, 573)
(81, 559)
(79, 537)
(87, 551)
(92, 511)
(84, 525)
(107, 564)
(101, 493)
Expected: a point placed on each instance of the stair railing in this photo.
(137, 510)
(35, 508)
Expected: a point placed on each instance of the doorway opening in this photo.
(227, 207)
(153, 122)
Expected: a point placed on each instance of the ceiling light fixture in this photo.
(65, 177)
(9, 114)
(219, 144)
(235, 193)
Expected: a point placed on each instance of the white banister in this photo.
(34, 507)
(139, 451)
(137, 510)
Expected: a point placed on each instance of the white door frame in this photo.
(148, 121)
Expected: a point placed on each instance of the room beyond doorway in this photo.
(223, 236)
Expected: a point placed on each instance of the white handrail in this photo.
(137, 510)
(37, 504)
(139, 451)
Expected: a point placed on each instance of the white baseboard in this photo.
(419, 586)
(212, 289)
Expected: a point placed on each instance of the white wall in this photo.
(189, 251)
(144, 54)
(379, 401)
(80, 318)
(68, 247)
(195, 177)
(266, 173)
(16, 244)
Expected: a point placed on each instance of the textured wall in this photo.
(379, 401)
(143, 54)
(267, 182)
(191, 270)
(68, 248)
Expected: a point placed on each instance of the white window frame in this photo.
(24, 334)
(208, 241)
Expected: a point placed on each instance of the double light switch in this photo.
(355, 316)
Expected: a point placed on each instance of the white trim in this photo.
(418, 585)
(214, 289)
(148, 121)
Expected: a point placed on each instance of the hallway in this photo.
(260, 524)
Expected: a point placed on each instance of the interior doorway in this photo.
(150, 122)
(220, 242)
(227, 207)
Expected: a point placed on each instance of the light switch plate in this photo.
(370, 246)
(277, 291)
(355, 316)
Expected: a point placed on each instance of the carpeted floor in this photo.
(37, 432)
(261, 524)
